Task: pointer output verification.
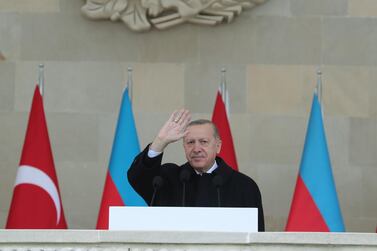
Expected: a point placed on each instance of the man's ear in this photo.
(218, 145)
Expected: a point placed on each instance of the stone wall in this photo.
(271, 54)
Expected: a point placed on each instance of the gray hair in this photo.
(204, 122)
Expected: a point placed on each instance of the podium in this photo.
(196, 219)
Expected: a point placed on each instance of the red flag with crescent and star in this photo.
(36, 202)
(220, 119)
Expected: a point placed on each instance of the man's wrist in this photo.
(152, 153)
(158, 145)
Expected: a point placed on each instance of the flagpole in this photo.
(220, 118)
(222, 83)
(319, 85)
(129, 82)
(224, 90)
(41, 78)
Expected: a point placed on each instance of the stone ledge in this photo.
(79, 237)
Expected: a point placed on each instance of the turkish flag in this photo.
(36, 202)
(220, 119)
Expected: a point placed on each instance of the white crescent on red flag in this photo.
(36, 202)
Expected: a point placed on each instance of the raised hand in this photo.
(173, 130)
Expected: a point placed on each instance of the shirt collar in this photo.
(213, 168)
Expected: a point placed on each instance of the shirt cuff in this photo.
(152, 154)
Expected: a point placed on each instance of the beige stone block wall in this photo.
(346, 90)
(23, 6)
(364, 8)
(158, 87)
(271, 54)
(280, 89)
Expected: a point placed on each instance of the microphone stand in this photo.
(218, 182)
(218, 197)
(157, 184)
(184, 195)
(184, 177)
(153, 197)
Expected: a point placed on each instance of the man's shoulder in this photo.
(237, 176)
(173, 167)
(170, 166)
(244, 178)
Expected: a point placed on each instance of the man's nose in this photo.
(197, 147)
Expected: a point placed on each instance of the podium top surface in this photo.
(199, 219)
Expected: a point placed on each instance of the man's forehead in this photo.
(204, 128)
(199, 131)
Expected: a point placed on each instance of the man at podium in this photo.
(205, 180)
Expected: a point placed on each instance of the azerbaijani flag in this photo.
(315, 206)
(117, 190)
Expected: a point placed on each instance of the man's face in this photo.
(201, 146)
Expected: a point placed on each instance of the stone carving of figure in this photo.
(142, 15)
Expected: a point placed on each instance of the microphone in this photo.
(184, 177)
(218, 181)
(157, 183)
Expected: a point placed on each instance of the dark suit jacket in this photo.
(236, 189)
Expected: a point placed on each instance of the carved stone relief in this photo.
(142, 15)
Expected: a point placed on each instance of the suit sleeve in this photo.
(141, 173)
(254, 199)
(260, 212)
